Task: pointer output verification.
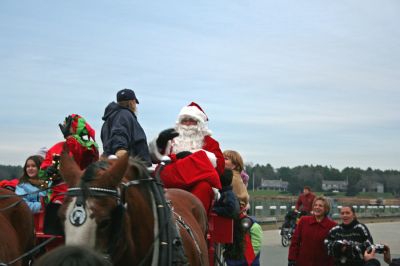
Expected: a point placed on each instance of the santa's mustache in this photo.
(188, 130)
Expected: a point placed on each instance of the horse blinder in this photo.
(78, 216)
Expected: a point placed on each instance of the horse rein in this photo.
(44, 243)
(7, 196)
(184, 225)
(11, 205)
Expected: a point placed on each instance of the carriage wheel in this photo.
(219, 259)
(285, 240)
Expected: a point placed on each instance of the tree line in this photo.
(297, 177)
(10, 172)
(312, 176)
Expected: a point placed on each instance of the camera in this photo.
(379, 248)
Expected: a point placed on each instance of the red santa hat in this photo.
(193, 110)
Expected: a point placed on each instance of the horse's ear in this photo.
(116, 172)
(69, 169)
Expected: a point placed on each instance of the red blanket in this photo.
(186, 172)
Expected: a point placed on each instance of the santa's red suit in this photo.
(198, 172)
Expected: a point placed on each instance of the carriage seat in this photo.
(220, 231)
(39, 226)
(41, 236)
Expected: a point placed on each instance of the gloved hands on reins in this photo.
(165, 136)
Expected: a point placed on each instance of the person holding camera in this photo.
(370, 260)
(348, 241)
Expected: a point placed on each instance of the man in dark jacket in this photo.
(121, 133)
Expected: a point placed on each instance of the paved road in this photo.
(273, 254)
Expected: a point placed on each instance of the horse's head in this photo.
(92, 210)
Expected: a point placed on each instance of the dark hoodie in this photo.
(121, 130)
(228, 204)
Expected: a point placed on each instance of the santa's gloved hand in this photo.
(182, 154)
(165, 136)
(65, 127)
(291, 263)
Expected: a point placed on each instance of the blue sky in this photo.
(283, 82)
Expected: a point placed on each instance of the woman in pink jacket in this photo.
(307, 247)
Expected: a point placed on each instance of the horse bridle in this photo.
(78, 215)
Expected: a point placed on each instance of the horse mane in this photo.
(91, 170)
(138, 168)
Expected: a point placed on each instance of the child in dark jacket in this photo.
(228, 204)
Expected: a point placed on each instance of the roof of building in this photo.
(334, 182)
(279, 182)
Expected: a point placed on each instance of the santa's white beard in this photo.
(191, 138)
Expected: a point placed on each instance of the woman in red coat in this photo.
(307, 247)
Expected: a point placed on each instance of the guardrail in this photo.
(276, 213)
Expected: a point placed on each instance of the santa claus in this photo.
(196, 158)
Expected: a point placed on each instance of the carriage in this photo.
(220, 231)
(217, 230)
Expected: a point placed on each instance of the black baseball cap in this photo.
(126, 95)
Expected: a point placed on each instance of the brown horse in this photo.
(16, 229)
(114, 211)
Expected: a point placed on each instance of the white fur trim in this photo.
(156, 155)
(192, 111)
(217, 195)
(211, 156)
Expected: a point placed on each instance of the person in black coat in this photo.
(348, 241)
(121, 132)
(228, 204)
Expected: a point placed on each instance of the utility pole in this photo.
(253, 180)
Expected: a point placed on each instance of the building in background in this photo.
(278, 185)
(333, 185)
(374, 187)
